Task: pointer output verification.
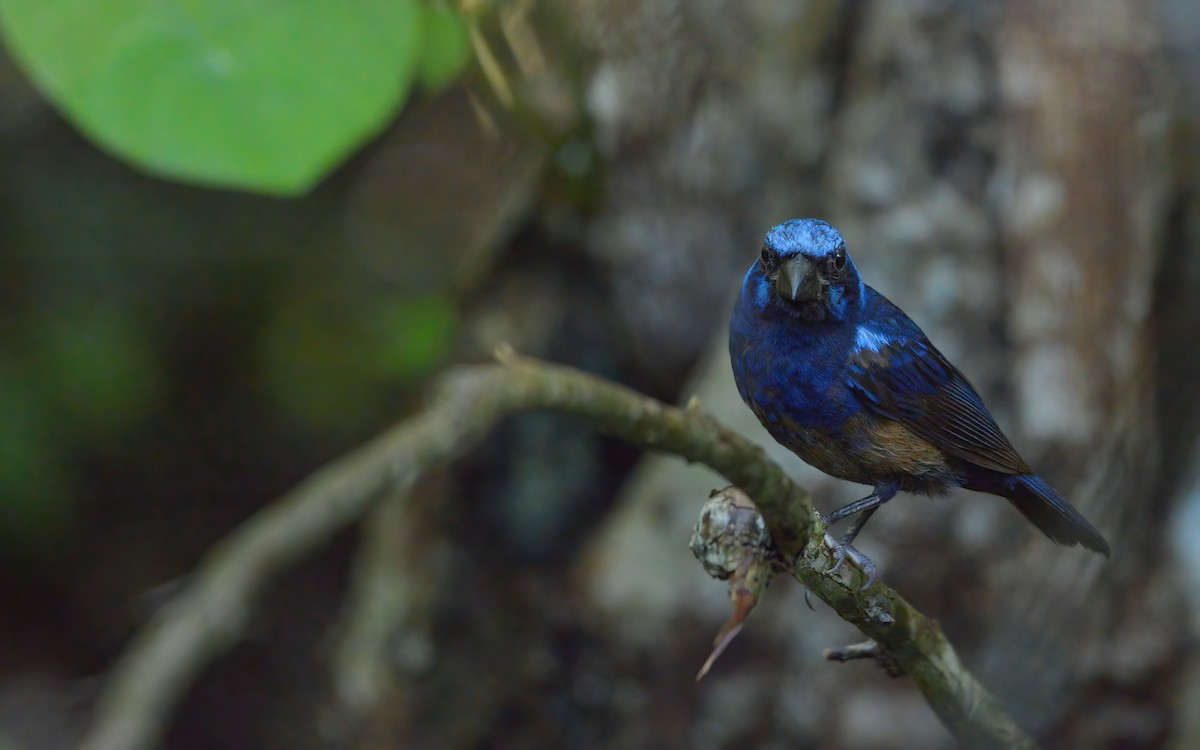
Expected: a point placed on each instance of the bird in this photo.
(844, 379)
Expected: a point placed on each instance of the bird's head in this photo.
(807, 271)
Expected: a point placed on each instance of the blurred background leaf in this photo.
(445, 48)
(96, 367)
(329, 359)
(259, 96)
(36, 502)
(77, 377)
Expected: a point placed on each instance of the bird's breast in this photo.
(822, 448)
(791, 384)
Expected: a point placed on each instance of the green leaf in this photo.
(445, 47)
(264, 95)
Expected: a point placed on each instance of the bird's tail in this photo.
(1051, 513)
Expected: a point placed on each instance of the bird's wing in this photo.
(908, 380)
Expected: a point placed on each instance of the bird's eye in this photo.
(839, 260)
(765, 255)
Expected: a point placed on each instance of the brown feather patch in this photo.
(894, 448)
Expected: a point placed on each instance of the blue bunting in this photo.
(843, 378)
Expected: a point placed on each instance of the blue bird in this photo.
(844, 379)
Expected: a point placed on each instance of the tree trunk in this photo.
(1009, 174)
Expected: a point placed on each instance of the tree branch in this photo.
(209, 616)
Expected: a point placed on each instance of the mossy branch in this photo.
(210, 614)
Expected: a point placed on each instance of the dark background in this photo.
(1020, 177)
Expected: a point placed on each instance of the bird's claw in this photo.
(837, 551)
(865, 564)
(840, 551)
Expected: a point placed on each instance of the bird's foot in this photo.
(837, 550)
(841, 551)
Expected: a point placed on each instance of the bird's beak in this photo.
(798, 281)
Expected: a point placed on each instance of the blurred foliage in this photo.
(328, 361)
(134, 309)
(96, 365)
(75, 377)
(445, 47)
(264, 96)
(35, 496)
